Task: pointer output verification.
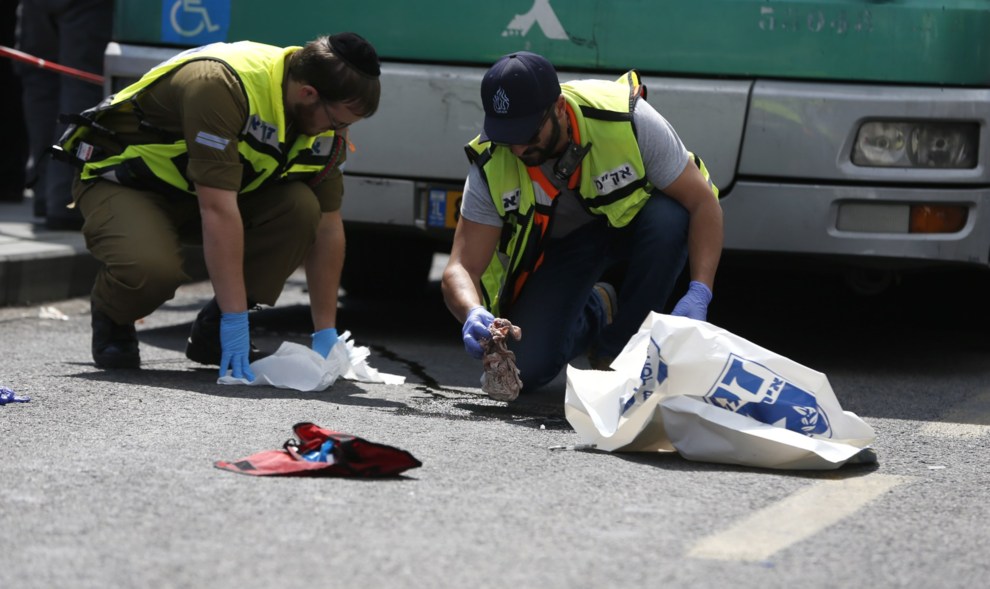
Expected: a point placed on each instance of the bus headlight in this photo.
(910, 144)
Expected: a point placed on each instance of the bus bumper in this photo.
(869, 222)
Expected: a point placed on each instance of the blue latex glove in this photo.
(475, 329)
(694, 304)
(324, 340)
(9, 396)
(235, 345)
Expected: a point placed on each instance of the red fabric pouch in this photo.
(352, 457)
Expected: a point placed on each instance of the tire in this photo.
(385, 265)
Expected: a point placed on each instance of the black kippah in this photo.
(356, 52)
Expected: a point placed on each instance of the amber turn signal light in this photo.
(938, 218)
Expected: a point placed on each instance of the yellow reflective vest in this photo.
(610, 182)
(261, 143)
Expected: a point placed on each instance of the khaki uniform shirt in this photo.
(205, 96)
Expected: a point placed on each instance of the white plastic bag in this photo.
(689, 386)
(294, 366)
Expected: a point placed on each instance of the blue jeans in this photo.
(560, 317)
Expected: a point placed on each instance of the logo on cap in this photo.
(500, 102)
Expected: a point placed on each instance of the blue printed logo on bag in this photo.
(652, 375)
(752, 389)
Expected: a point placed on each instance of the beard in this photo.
(536, 155)
(303, 118)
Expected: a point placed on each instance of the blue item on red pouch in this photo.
(324, 454)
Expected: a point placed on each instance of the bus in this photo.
(854, 131)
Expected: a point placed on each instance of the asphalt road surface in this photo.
(107, 478)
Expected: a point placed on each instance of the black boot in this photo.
(114, 346)
(203, 344)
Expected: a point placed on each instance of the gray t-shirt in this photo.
(664, 157)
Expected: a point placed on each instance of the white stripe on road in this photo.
(797, 517)
(969, 420)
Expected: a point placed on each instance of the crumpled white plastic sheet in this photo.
(689, 386)
(295, 366)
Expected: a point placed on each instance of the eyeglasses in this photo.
(539, 129)
(334, 124)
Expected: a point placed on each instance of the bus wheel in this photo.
(385, 266)
(870, 282)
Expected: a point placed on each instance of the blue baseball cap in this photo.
(516, 93)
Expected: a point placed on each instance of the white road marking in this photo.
(968, 420)
(793, 519)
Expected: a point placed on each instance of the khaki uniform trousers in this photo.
(138, 236)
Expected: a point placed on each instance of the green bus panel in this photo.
(898, 41)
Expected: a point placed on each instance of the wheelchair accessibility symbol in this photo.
(195, 22)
